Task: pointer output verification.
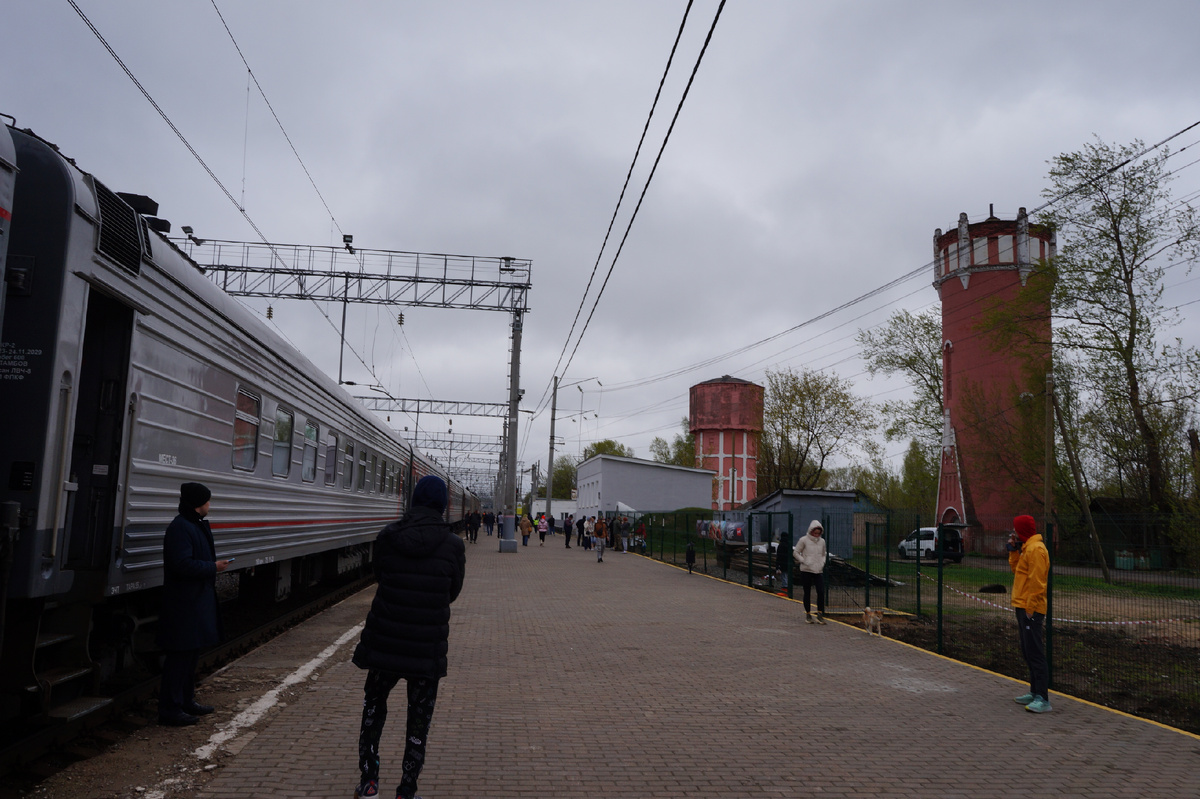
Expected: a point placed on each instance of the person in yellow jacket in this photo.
(1030, 563)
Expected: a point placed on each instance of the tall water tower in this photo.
(726, 420)
(981, 270)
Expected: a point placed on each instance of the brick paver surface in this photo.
(629, 678)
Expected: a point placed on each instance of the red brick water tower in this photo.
(726, 421)
(979, 269)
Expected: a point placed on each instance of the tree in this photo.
(564, 478)
(808, 417)
(919, 479)
(680, 452)
(606, 447)
(910, 345)
(1121, 234)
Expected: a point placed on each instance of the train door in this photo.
(99, 421)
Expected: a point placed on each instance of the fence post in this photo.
(750, 550)
(887, 561)
(918, 565)
(937, 543)
(1050, 607)
(790, 571)
(867, 593)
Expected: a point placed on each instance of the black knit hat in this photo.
(192, 496)
(430, 492)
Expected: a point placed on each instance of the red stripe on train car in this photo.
(296, 523)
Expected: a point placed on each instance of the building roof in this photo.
(800, 493)
(724, 379)
(644, 462)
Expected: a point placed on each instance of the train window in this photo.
(281, 454)
(245, 430)
(362, 471)
(383, 478)
(311, 434)
(331, 453)
(372, 473)
(348, 467)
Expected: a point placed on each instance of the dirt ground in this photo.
(1154, 679)
(132, 757)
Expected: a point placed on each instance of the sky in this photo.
(819, 147)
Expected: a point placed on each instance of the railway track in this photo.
(27, 746)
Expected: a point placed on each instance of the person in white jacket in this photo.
(809, 553)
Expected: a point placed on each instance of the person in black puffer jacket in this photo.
(420, 566)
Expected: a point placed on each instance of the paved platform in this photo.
(630, 678)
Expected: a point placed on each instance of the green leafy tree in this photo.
(808, 418)
(919, 479)
(1120, 234)
(564, 478)
(606, 447)
(680, 452)
(909, 345)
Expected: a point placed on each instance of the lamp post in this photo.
(550, 459)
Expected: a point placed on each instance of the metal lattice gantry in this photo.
(439, 407)
(459, 442)
(383, 277)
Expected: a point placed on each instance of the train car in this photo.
(125, 372)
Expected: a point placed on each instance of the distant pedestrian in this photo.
(810, 553)
(1030, 563)
(601, 530)
(589, 533)
(568, 523)
(543, 525)
(626, 527)
(783, 558)
(419, 565)
(690, 556)
(526, 526)
(189, 619)
(489, 521)
(639, 535)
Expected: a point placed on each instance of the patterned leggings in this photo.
(422, 694)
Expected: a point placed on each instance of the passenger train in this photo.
(125, 372)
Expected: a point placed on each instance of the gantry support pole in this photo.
(508, 540)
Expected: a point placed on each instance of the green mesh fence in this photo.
(1123, 626)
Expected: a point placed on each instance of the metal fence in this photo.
(1123, 623)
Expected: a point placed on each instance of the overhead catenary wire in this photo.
(200, 160)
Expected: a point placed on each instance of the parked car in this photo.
(924, 542)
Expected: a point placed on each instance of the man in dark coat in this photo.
(420, 565)
(190, 620)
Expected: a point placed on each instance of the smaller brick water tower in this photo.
(727, 420)
(979, 269)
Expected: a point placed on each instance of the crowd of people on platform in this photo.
(591, 533)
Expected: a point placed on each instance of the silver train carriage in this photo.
(123, 373)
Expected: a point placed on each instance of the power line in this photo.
(196, 155)
(270, 108)
(628, 175)
(687, 89)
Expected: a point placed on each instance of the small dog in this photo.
(873, 621)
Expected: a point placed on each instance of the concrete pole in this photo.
(550, 460)
(508, 529)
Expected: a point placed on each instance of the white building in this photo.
(605, 480)
(560, 507)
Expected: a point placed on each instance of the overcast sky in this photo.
(820, 146)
